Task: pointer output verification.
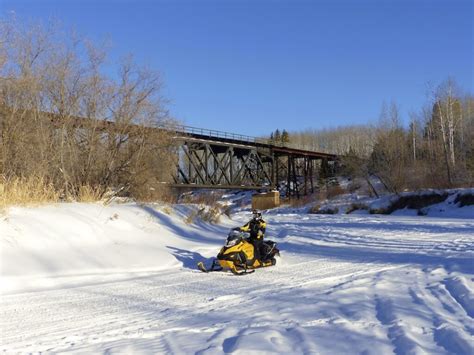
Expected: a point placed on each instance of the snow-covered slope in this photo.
(421, 203)
(122, 279)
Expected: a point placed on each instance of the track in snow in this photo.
(343, 285)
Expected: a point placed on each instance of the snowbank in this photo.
(88, 278)
(454, 203)
(42, 247)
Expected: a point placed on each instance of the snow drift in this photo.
(122, 278)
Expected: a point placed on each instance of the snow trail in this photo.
(344, 284)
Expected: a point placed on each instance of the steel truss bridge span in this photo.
(221, 160)
(213, 159)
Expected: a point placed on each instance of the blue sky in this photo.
(250, 67)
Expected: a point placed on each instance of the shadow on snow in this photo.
(188, 258)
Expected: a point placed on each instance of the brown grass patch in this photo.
(90, 194)
(27, 191)
(333, 191)
(35, 190)
(299, 202)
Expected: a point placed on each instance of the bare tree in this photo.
(435, 150)
(388, 159)
(446, 119)
(64, 120)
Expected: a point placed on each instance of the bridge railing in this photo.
(233, 136)
(227, 135)
(215, 133)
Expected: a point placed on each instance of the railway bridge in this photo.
(214, 159)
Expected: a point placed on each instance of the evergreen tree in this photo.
(277, 135)
(324, 171)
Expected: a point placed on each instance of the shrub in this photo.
(354, 186)
(314, 209)
(333, 191)
(191, 217)
(211, 215)
(465, 199)
(227, 211)
(422, 212)
(299, 202)
(206, 214)
(167, 210)
(356, 206)
(417, 202)
(323, 210)
(204, 197)
(90, 194)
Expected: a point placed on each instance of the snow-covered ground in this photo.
(122, 279)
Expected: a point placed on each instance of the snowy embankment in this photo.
(430, 202)
(122, 278)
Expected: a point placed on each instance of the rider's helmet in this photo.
(256, 214)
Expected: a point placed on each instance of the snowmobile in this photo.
(237, 255)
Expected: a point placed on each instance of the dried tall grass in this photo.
(210, 214)
(88, 193)
(27, 191)
(36, 190)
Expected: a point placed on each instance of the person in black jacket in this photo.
(256, 227)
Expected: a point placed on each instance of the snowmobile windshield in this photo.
(234, 233)
(233, 238)
(231, 241)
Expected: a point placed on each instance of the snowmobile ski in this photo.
(214, 267)
(241, 273)
(202, 267)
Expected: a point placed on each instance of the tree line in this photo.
(435, 150)
(279, 137)
(49, 79)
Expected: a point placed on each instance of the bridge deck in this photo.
(237, 139)
(277, 148)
